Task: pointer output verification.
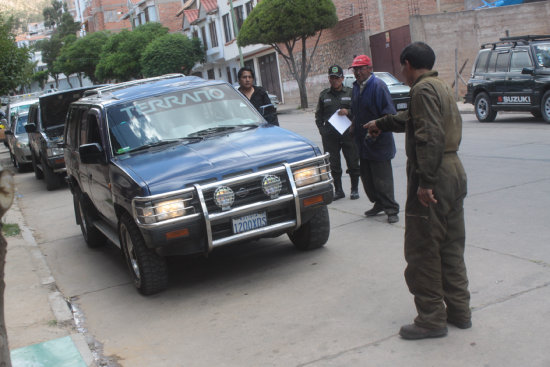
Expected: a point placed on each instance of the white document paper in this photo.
(340, 123)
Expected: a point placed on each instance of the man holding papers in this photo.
(333, 120)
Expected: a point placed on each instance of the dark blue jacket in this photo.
(374, 102)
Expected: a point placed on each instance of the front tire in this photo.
(484, 111)
(314, 233)
(149, 270)
(93, 237)
(53, 181)
(38, 174)
(545, 106)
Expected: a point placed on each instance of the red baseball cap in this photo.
(361, 60)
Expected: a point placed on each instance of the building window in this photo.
(203, 34)
(239, 15)
(213, 34)
(249, 7)
(142, 19)
(227, 28)
(151, 14)
(228, 71)
(211, 74)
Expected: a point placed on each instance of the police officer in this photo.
(436, 187)
(338, 98)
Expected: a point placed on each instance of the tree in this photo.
(50, 50)
(82, 55)
(284, 23)
(119, 58)
(13, 60)
(41, 77)
(172, 53)
(52, 14)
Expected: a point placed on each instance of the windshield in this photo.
(24, 108)
(388, 78)
(184, 115)
(21, 122)
(542, 54)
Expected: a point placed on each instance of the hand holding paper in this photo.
(340, 123)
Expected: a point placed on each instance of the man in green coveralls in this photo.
(434, 213)
(338, 98)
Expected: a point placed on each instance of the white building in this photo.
(212, 22)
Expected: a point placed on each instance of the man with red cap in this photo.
(371, 99)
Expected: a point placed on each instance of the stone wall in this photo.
(467, 30)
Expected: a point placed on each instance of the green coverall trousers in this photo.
(434, 247)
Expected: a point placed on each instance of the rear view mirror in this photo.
(91, 154)
(30, 127)
(529, 71)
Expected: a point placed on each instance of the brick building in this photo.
(162, 11)
(105, 15)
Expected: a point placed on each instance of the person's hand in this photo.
(343, 112)
(425, 196)
(373, 129)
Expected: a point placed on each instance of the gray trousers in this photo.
(377, 178)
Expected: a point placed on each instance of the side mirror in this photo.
(92, 154)
(529, 71)
(30, 127)
(267, 109)
(8, 132)
(4, 122)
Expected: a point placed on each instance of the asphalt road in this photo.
(265, 304)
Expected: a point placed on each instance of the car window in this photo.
(492, 62)
(177, 115)
(481, 64)
(20, 125)
(542, 54)
(92, 133)
(73, 127)
(502, 61)
(520, 60)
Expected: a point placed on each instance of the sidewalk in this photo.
(39, 322)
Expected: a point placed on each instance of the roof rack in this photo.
(109, 88)
(514, 41)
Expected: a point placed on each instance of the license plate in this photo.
(249, 222)
(401, 106)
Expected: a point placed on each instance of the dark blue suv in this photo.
(178, 165)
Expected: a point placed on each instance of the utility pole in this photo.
(236, 31)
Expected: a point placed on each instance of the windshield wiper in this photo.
(211, 131)
(164, 142)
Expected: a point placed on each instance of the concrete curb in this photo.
(57, 301)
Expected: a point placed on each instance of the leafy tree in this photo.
(52, 14)
(82, 55)
(284, 23)
(13, 60)
(172, 53)
(41, 77)
(64, 63)
(50, 50)
(119, 58)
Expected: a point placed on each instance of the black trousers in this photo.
(333, 144)
(377, 178)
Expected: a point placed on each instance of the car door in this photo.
(497, 70)
(519, 87)
(98, 173)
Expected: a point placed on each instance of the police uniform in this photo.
(330, 101)
(434, 235)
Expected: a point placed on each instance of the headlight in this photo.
(21, 145)
(52, 152)
(162, 211)
(307, 176)
(224, 197)
(271, 186)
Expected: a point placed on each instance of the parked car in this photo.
(45, 128)
(177, 165)
(18, 143)
(398, 90)
(512, 74)
(16, 106)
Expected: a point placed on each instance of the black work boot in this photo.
(338, 192)
(354, 195)
(413, 332)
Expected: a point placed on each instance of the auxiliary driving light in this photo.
(224, 197)
(271, 186)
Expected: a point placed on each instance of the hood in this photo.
(173, 167)
(399, 89)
